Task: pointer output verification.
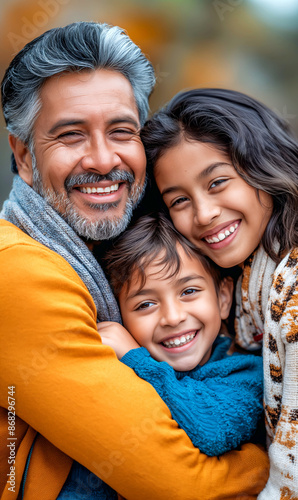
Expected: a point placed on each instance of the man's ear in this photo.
(225, 295)
(23, 159)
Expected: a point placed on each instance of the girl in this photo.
(226, 167)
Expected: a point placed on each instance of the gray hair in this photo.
(77, 46)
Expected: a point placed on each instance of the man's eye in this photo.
(69, 134)
(123, 133)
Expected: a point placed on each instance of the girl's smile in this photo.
(222, 234)
(210, 204)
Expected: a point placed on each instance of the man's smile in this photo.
(99, 190)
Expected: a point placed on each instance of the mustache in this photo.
(114, 175)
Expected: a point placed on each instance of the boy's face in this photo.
(176, 318)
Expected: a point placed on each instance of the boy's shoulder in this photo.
(224, 361)
(223, 347)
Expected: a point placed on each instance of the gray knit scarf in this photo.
(32, 214)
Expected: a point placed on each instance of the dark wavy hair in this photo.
(260, 144)
(152, 238)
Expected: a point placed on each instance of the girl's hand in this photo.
(117, 337)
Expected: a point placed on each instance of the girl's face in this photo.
(210, 204)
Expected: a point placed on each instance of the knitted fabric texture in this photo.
(33, 215)
(267, 303)
(218, 405)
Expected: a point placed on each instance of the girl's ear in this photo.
(23, 159)
(225, 296)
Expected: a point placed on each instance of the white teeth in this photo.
(222, 236)
(99, 190)
(179, 341)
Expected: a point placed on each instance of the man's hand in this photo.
(117, 337)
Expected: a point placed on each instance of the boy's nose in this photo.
(172, 315)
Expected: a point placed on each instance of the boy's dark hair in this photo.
(261, 147)
(150, 237)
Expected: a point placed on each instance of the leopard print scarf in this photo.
(267, 315)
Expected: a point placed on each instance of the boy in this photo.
(173, 300)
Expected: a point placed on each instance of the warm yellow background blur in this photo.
(247, 45)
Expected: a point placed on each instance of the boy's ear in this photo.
(225, 296)
(23, 158)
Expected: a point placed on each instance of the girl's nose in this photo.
(205, 212)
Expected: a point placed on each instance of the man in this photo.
(74, 100)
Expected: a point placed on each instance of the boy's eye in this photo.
(144, 305)
(190, 291)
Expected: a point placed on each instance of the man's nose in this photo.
(205, 211)
(100, 156)
(172, 314)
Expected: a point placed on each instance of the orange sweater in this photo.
(84, 403)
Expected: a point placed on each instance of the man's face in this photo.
(90, 162)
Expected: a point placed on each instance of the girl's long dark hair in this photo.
(260, 144)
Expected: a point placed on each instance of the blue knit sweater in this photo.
(218, 404)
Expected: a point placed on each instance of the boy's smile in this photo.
(177, 318)
(180, 340)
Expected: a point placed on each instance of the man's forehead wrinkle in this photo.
(77, 107)
(77, 99)
(78, 95)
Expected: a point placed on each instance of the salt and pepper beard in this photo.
(102, 229)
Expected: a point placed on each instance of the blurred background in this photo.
(246, 45)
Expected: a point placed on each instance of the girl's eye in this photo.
(217, 182)
(178, 201)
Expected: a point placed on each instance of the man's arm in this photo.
(219, 405)
(75, 392)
